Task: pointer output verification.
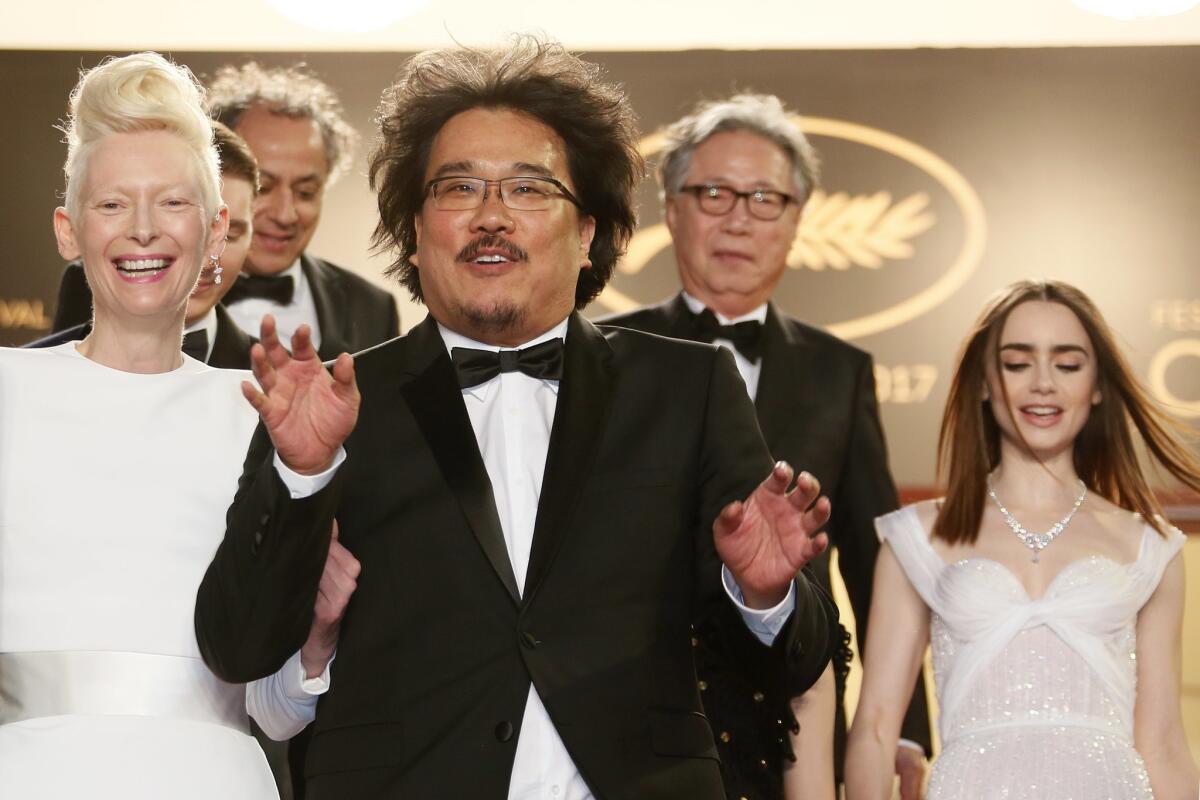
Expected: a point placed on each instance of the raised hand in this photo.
(307, 410)
(766, 539)
(338, 582)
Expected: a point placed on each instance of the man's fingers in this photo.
(302, 349)
(254, 396)
(816, 517)
(343, 370)
(806, 491)
(344, 560)
(729, 519)
(266, 331)
(260, 365)
(779, 479)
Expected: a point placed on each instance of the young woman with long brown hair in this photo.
(1046, 580)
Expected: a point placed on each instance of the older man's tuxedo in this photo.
(817, 409)
(650, 439)
(352, 313)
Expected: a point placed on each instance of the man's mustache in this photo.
(493, 243)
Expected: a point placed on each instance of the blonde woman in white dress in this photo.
(1046, 581)
(118, 458)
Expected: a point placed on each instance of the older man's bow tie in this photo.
(542, 361)
(746, 336)
(277, 288)
(195, 344)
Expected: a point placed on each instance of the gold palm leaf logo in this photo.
(838, 231)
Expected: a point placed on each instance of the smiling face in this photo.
(291, 159)
(141, 229)
(1048, 368)
(492, 273)
(733, 262)
(238, 195)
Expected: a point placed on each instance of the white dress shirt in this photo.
(302, 310)
(512, 416)
(749, 370)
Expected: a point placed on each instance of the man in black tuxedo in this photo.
(294, 125)
(210, 334)
(538, 524)
(735, 175)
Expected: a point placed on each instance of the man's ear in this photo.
(669, 213)
(412, 257)
(64, 234)
(587, 231)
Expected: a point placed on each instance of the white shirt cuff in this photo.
(911, 744)
(765, 623)
(304, 685)
(301, 486)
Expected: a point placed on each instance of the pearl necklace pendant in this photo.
(1036, 542)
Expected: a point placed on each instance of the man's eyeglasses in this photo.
(520, 193)
(718, 200)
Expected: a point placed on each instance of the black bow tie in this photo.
(746, 336)
(277, 288)
(542, 361)
(195, 344)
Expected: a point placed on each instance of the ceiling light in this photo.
(347, 16)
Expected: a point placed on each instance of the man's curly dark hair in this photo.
(533, 77)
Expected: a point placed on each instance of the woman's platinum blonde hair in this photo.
(139, 92)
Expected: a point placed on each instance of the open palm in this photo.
(308, 410)
(767, 538)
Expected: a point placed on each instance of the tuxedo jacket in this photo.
(817, 409)
(352, 313)
(651, 438)
(230, 350)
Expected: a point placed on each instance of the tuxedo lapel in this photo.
(330, 302)
(584, 401)
(231, 346)
(786, 383)
(436, 403)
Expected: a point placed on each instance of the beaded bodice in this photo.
(1067, 658)
(1004, 659)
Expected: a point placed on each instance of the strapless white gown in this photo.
(1036, 695)
(113, 491)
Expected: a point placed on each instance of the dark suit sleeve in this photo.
(74, 306)
(734, 462)
(865, 491)
(255, 604)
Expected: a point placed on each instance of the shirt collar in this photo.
(695, 306)
(453, 339)
(208, 324)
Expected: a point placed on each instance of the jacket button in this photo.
(264, 519)
(258, 537)
(529, 640)
(504, 731)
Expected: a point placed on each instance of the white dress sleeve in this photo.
(283, 704)
(1155, 554)
(902, 531)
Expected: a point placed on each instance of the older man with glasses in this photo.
(735, 175)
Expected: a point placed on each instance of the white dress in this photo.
(1036, 695)
(113, 492)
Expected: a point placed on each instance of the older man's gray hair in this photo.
(290, 92)
(761, 114)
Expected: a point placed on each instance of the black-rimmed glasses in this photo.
(718, 200)
(520, 193)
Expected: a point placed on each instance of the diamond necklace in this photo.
(1037, 541)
